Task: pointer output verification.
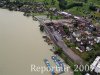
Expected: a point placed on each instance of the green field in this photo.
(77, 10)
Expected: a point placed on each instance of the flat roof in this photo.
(76, 17)
(98, 58)
(96, 63)
(65, 13)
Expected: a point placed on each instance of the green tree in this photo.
(53, 2)
(51, 15)
(42, 28)
(59, 51)
(66, 29)
(62, 4)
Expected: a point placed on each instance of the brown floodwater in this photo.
(21, 44)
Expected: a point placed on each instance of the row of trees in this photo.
(64, 4)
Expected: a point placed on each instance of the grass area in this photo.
(37, 14)
(84, 10)
(96, 14)
(57, 17)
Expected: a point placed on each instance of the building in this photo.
(97, 69)
(97, 40)
(96, 65)
(65, 13)
(87, 74)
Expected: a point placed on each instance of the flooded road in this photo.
(21, 44)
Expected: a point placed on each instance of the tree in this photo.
(53, 2)
(59, 51)
(92, 7)
(42, 28)
(66, 29)
(85, 1)
(62, 4)
(51, 15)
(75, 23)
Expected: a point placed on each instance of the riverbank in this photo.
(29, 8)
(26, 10)
(21, 42)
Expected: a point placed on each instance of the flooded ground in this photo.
(21, 44)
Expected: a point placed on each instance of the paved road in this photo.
(64, 47)
(70, 53)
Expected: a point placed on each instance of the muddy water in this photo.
(21, 44)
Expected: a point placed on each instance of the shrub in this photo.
(74, 5)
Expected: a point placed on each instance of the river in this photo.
(21, 45)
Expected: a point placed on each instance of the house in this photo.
(76, 17)
(78, 40)
(88, 48)
(87, 74)
(97, 40)
(79, 49)
(96, 65)
(98, 10)
(97, 69)
(62, 32)
(76, 34)
(53, 9)
(65, 13)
